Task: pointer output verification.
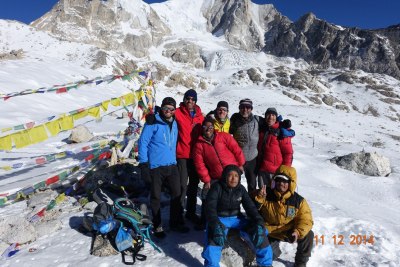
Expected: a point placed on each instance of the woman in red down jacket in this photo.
(274, 147)
(211, 153)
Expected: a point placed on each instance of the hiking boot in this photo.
(193, 217)
(180, 228)
(159, 232)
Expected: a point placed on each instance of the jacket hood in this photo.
(290, 173)
(227, 170)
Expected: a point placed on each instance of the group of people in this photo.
(179, 146)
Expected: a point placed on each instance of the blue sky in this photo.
(352, 13)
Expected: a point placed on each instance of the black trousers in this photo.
(187, 172)
(304, 248)
(250, 174)
(169, 176)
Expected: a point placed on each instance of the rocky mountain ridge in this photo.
(135, 27)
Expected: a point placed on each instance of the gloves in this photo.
(258, 236)
(286, 124)
(219, 237)
(145, 173)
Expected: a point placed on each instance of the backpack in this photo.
(135, 218)
(128, 240)
(103, 218)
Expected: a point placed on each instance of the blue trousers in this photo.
(212, 254)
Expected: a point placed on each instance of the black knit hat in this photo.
(246, 102)
(168, 101)
(271, 111)
(223, 104)
(190, 93)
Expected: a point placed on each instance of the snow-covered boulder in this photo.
(47, 227)
(16, 229)
(371, 164)
(80, 134)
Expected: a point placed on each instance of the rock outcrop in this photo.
(371, 164)
(109, 25)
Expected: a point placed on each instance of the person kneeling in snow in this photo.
(223, 213)
(286, 214)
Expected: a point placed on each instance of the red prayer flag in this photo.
(61, 90)
(105, 155)
(52, 180)
(41, 212)
(88, 158)
(40, 161)
(30, 124)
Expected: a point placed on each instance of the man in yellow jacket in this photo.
(287, 215)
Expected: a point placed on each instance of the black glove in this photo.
(258, 236)
(218, 236)
(145, 173)
(286, 124)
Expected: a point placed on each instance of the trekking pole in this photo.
(125, 193)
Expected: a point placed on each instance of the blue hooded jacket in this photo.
(157, 143)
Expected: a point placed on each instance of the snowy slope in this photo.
(343, 202)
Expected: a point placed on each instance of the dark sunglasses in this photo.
(280, 180)
(167, 109)
(222, 109)
(208, 127)
(245, 107)
(189, 98)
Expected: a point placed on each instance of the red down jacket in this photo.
(210, 158)
(188, 130)
(275, 150)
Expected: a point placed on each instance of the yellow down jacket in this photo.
(285, 213)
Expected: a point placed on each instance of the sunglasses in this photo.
(245, 107)
(280, 180)
(167, 109)
(189, 98)
(222, 109)
(208, 127)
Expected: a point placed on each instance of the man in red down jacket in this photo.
(274, 147)
(212, 152)
(189, 119)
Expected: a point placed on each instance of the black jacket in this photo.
(223, 201)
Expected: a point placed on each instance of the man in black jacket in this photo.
(223, 213)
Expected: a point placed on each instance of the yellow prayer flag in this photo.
(21, 139)
(60, 155)
(53, 127)
(103, 143)
(94, 112)
(6, 168)
(116, 102)
(129, 99)
(37, 134)
(5, 142)
(104, 105)
(80, 115)
(6, 129)
(139, 94)
(60, 198)
(66, 123)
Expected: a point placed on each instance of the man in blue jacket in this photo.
(157, 151)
